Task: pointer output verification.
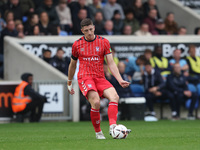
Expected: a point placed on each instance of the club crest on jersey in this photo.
(97, 48)
(82, 49)
(89, 85)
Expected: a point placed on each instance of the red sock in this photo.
(112, 112)
(95, 118)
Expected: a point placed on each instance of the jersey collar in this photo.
(91, 40)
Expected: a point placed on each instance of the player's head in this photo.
(87, 28)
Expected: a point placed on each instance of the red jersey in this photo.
(91, 56)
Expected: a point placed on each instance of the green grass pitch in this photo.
(161, 135)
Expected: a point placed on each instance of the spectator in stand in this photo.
(131, 21)
(20, 28)
(194, 62)
(143, 31)
(51, 11)
(36, 30)
(160, 28)
(177, 59)
(14, 6)
(118, 23)
(151, 4)
(127, 30)
(9, 15)
(75, 9)
(33, 20)
(177, 85)
(46, 55)
(109, 9)
(160, 63)
(64, 15)
(151, 20)
(154, 87)
(182, 30)
(44, 25)
(197, 31)
(94, 8)
(27, 7)
(148, 54)
(170, 25)
(126, 4)
(10, 31)
(123, 92)
(135, 67)
(58, 61)
(108, 28)
(99, 23)
(138, 10)
(76, 23)
(2, 23)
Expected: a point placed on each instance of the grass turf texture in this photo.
(161, 135)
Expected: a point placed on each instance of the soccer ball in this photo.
(120, 132)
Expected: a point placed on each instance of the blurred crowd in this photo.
(160, 78)
(175, 80)
(63, 17)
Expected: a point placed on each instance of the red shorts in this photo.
(96, 84)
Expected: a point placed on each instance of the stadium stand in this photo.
(30, 21)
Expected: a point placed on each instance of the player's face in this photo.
(88, 31)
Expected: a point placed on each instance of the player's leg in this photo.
(113, 97)
(94, 100)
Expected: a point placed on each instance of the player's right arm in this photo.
(72, 68)
(71, 72)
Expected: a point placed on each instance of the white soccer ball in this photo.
(120, 132)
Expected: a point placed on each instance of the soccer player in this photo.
(90, 49)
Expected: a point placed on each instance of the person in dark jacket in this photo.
(10, 31)
(154, 87)
(51, 11)
(46, 55)
(58, 60)
(177, 85)
(14, 6)
(35, 107)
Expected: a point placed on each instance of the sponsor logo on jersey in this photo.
(93, 58)
(82, 49)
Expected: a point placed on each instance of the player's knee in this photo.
(115, 98)
(96, 104)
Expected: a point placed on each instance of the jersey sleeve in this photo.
(107, 48)
(74, 52)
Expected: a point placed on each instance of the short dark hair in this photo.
(86, 22)
(60, 49)
(45, 50)
(147, 63)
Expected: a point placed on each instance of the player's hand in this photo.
(124, 84)
(69, 86)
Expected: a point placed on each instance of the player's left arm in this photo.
(114, 70)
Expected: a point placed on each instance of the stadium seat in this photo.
(137, 90)
(198, 89)
(192, 88)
